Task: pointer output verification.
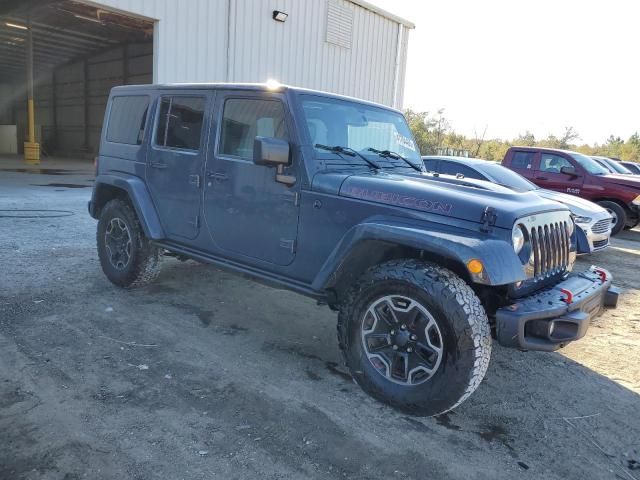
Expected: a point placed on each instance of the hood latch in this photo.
(488, 219)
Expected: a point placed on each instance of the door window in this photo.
(244, 119)
(127, 119)
(180, 122)
(453, 168)
(552, 163)
(522, 160)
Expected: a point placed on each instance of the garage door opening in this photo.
(80, 51)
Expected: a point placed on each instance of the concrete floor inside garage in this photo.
(205, 374)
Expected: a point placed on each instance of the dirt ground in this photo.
(206, 374)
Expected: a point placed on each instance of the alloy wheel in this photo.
(402, 340)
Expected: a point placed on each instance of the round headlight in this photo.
(517, 238)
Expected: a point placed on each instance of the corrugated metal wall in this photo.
(237, 41)
(63, 125)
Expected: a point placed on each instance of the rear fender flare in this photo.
(139, 196)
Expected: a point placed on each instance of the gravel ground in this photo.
(208, 375)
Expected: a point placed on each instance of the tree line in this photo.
(433, 133)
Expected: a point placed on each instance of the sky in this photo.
(537, 65)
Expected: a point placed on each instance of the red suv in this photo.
(575, 173)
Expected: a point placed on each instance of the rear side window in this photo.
(244, 119)
(180, 122)
(127, 119)
(522, 160)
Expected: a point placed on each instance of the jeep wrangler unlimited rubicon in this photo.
(327, 196)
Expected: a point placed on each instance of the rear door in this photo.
(523, 162)
(175, 160)
(247, 212)
(548, 174)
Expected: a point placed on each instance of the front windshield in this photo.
(336, 122)
(589, 164)
(616, 167)
(508, 178)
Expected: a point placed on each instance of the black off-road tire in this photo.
(619, 214)
(143, 265)
(460, 317)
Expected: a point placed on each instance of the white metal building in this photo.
(83, 48)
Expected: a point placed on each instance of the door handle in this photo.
(158, 165)
(218, 176)
(542, 178)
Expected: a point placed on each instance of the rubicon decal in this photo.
(398, 199)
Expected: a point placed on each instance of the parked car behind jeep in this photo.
(594, 222)
(572, 172)
(612, 165)
(633, 167)
(327, 196)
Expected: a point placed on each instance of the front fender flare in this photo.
(452, 243)
(140, 199)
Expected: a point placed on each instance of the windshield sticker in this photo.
(398, 199)
(405, 142)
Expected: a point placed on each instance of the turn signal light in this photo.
(475, 266)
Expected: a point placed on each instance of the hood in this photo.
(465, 199)
(630, 181)
(578, 206)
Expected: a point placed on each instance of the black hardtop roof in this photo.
(259, 87)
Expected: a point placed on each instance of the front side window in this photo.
(336, 122)
(552, 163)
(180, 122)
(454, 168)
(127, 119)
(244, 119)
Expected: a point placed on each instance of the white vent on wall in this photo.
(339, 24)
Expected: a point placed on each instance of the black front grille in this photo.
(601, 226)
(551, 248)
(600, 243)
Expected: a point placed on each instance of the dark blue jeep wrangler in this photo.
(327, 196)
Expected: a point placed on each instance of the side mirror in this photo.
(273, 152)
(568, 171)
(270, 152)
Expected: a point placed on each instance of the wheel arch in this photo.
(134, 191)
(370, 244)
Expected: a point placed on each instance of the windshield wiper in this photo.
(390, 154)
(347, 151)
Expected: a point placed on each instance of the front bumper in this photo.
(551, 319)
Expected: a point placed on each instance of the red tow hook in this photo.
(601, 273)
(569, 296)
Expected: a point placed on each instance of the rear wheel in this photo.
(415, 336)
(618, 214)
(127, 256)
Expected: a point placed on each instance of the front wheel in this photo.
(415, 336)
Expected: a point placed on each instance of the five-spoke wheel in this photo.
(117, 241)
(402, 340)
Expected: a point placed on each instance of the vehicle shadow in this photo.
(540, 412)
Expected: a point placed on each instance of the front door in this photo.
(247, 212)
(175, 161)
(549, 175)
